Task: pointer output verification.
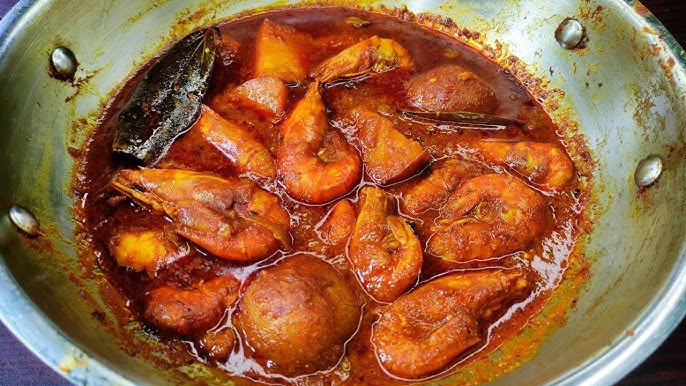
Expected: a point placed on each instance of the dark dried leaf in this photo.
(465, 118)
(167, 101)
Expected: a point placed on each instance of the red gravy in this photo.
(104, 212)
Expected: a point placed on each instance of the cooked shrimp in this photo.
(147, 250)
(488, 216)
(231, 218)
(446, 175)
(218, 344)
(338, 224)
(383, 250)
(388, 155)
(185, 312)
(244, 151)
(451, 88)
(544, 164)
(279, 53)
(427, 329)
(374, 55)
(316, 163)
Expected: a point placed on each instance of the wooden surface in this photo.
(667, 366)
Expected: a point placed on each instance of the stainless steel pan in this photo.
(625, 90)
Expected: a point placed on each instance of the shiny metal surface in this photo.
(569, 33)
(648, 170)
(64, 62)
(625, 91)
(22, 218)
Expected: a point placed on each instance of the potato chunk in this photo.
(147, 250)
(267, 95)
(451, 88)
(279, 54)
(298, 315)
(388, 155)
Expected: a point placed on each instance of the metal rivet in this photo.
(64, 62)
(24, 220)
(648, 170)
(570, 33)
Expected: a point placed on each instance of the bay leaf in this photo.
(167, 101)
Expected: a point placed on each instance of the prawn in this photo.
(446, 175)
(184, 312)
(316, 163)
(218, 344)
(544, 164)
(383, 250)
(373, 55)
(338, 224)
(488, 216)
(231, 218)
(244, 151)
(428, 328)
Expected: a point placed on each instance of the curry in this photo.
(329, 194)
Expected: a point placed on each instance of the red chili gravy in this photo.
(103, 212)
